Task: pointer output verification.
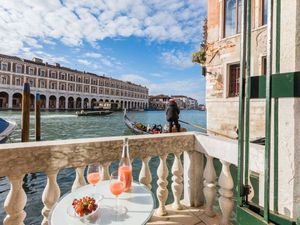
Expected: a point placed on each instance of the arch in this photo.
(135, 105)
(101, 100)
(122, 104)
(78, 103)
(17, 100)
(32, 101)
(52, 102)
(43, 101)
(125, 104)
(85, 103)
(71, 103)
(112, 101)
(93, 103)
(106, 100)
(4, 98)
(62, 102)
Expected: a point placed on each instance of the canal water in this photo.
(66, 125)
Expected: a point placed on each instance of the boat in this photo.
(135, 127)
(94, 113)
(6, 129)
(139, 128)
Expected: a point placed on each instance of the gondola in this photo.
(134, 126)
(6, 128)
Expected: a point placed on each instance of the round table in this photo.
(139, 203)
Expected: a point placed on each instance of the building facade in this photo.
(64, 88)
(223, 63)
(222, 86)
(159, 102)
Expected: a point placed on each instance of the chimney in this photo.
(37, 60)
(57, 64)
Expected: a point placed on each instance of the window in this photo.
(18, 82)
(31, 71)
(234, 75)
(4, 66)
(42, 73)
(232, 17)
(264, 12)
(264, 65)
(19, 69)
(42, 84)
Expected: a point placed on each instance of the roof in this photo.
(58, 66)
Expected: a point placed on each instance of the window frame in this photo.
(4, 64)
(230, 93)
(237, 19)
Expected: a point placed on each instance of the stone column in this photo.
(10, 100)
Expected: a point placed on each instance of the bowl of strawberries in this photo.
(85, 209)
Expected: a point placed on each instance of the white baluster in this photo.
(162, 191)
(226, 198)
(50, 195)
(105, 171)
(15, 202)
(209, 186)
(145, 174)
(177, 186)
(79, 179)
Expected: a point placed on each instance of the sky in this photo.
(148, 42)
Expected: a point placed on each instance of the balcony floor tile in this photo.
(187, 216)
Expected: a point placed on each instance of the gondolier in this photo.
(172, 115)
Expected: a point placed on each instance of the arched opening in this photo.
(32, 101)
(118, 104)
(85, 103)
(135, 105)
(70, 103)
(106, 100)
(52, 102)
(62, 102)
(78, 103)
(112, 101)
(101, 100)
(93, 103)
(17, 101)
(43, 101)
(4, 100)
(125, 104)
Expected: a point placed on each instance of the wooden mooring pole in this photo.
(25, 113)
(37, 117)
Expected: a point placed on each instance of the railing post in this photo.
(162, 190)
(177, 186)
(15, 202)
(79, 179)
(145, 174)
(209, 186)
(226, 198)
(105, 171)
(193, 177)
(50, 195)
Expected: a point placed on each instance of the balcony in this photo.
(194, 177)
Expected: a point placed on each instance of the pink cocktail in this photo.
(116, 187)
(93, 178)
(126, 174)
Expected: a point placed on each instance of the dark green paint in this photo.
(246, 216)
(248, 91)
(240, 176)
(284, 85)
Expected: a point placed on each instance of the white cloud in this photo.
(84, 62)
(24, 23)
(177, 59)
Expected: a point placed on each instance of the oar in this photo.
(203, 128)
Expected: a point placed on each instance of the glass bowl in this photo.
(90, 218)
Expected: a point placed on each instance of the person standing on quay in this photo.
(172, 115)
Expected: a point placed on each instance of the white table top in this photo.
(139, 203)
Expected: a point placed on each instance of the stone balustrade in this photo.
(195, 178)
